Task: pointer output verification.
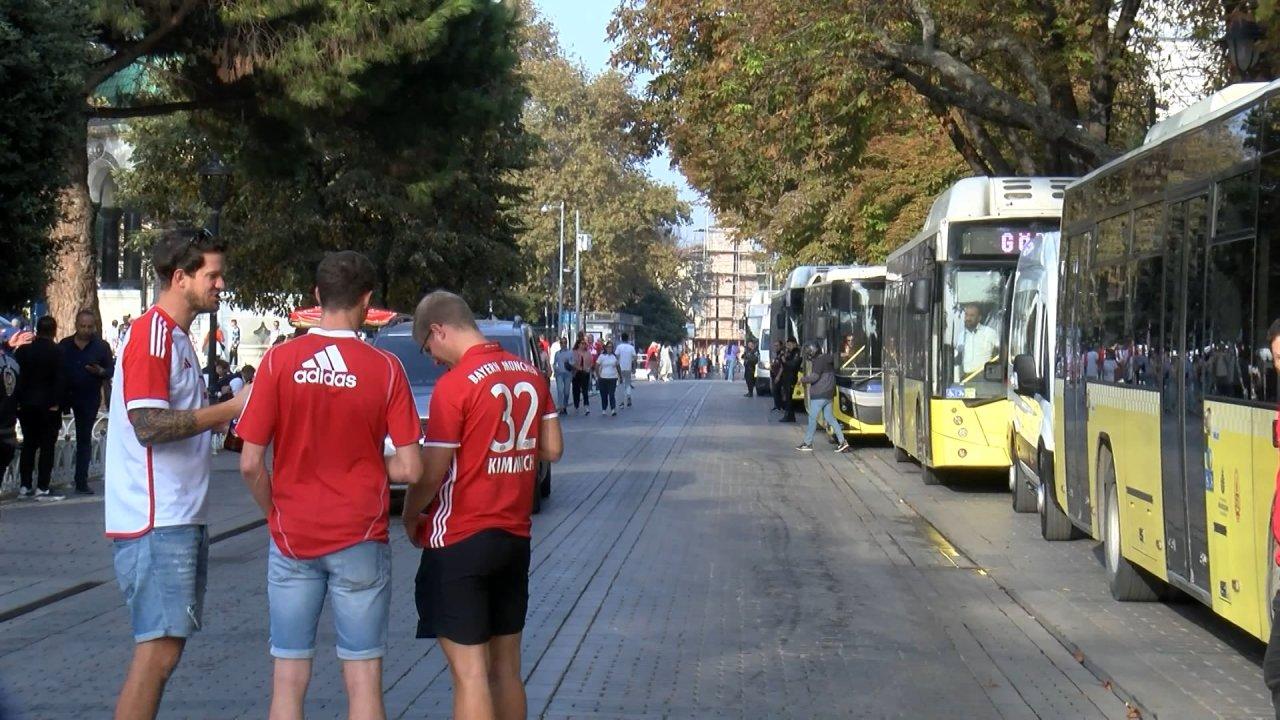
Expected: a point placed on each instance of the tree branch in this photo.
(107, 67)
(987, 146)
(958, 139)
(145, 110)
(1125, 21)
(928, 27)
(960, 86)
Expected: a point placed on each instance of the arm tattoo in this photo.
(155, 425)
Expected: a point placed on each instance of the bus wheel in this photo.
(1054, 524)
(1128, 582)
(1024, 500)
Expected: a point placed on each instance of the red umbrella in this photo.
(310, 317)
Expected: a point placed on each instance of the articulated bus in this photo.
(1032, 322)
(1164, 389)
(844, 315)
(946, 313)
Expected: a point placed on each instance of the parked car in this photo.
(515, 337)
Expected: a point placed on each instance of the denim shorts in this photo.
(358, 582)
(162, 575)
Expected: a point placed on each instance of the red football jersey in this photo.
(328, 400)
(490, 406)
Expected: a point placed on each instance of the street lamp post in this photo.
(559, 273)
(581, 241)
(215, 190)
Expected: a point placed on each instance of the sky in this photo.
(583, 29)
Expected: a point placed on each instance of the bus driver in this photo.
(979, 344)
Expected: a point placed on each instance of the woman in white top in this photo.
(606, 370)
(665, 362)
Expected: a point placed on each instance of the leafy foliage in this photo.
(592, 141)
(825, 127)
(405, 158)
(42, 56)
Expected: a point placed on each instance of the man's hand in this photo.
(411, 524)
(22, 338)
(95, 369)
(237, 401)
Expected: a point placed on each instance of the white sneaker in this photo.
(48, 496)
(26, 493)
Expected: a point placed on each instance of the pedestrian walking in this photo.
(215, 335)
(582, 364)
(731, 361)
(626, 353)
(41, 392)
(654, 362)
(472, 586)
(11, 338)
(563, 364)
(787, 377)
(87, 363)
(821, 380)
(667, 363)
(327, 401)
(750, 359)
(607, 374)
(233, 343)
(775, 375)
(158, 458)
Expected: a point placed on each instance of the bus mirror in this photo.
(1024, 369)
(993, 372)
(921, 297)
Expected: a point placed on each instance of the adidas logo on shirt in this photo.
(325, 368)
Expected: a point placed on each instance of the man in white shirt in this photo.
(979, 344)
(626, 353)
(157, 467)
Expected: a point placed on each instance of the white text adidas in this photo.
(326, 368)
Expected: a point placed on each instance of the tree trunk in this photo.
(73, 282)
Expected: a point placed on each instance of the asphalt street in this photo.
(689, 564)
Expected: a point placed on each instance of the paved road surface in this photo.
(689, 564)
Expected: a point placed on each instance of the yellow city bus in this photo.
(844, 315)
(946, 307)
(1164, 390)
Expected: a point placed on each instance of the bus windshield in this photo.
(975, 302)
(860, 326)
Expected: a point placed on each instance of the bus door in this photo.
(1075, 458)
(1182, 442)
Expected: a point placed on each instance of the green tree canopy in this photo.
(42, 56)
(407, 159)
(592, 139)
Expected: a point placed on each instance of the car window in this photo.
(418, 366)
(513, 344)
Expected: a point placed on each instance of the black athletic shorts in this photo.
(474, 589)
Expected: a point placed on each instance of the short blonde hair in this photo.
(441, 308)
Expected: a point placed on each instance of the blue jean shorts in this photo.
(358, 582)
(163, 575)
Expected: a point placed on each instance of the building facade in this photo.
(728, 272)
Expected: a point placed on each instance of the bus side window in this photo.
(1144, 319)
(1230, 372)
(1268, 289)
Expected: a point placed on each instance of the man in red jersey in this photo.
(491, 421)
(328, 400)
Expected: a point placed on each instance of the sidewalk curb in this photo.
(105, 576)
(1103, 676)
